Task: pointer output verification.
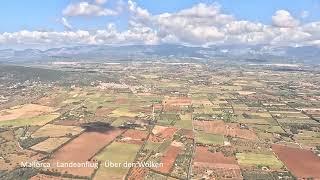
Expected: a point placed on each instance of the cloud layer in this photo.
(87, 9)
(202, 25)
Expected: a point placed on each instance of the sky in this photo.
(46, 24)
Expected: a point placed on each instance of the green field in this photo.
(185, 122)
(167, 119)
(268, 128)
(206, 138)
(34, 121)
(309, 138)
(122, 112)
(150, 146)
(92, 104)
(119, 121)
(116, 153)
(253, 159)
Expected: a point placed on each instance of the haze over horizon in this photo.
(38, 24)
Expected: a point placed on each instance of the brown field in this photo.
(221, 166)
(178, 101)
(134, 136)
(217, 173)
(15, 155)
(302, 163)
(51, 100)
(161, 132)
(169, 158)
(158, 129)
(156, 139)
(25, 111)
(170, 102)
(137, 173)
(168, 133)
(234, 130)
(229, 129)
(7, 135)
(187, 133)
(103, 112)
(51, 130)
(47, 177)
(50, 144)
(67, 122)
(204, 156)
(215, 127)
(82, 149)
(120, 100)
(157, 107)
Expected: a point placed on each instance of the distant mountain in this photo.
(261, 53)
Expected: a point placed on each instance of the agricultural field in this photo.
(51, 130)
(185, 121)
(259, 160)
(168, 157)
(226, 129)
(211, 139)
(134, 137)
(83, 148)
(210, 122)
(302, 163)
(117, 153)
(215, 165)
(49, 144)
(25, 111)
(32, 121)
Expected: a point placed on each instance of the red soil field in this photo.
(219, 173)
(134, 136)
(177, 101)
(229, 129)
(137, 173)
(67, 122)
(302, 163)
(154, 138)
(171, 102)
(187, 133)
(168, 159)
(167, 133)
(121, 101)
(215, 127)
(205, 156)
(102, 112)
(176, 109)
(222, 166)
(81, 149)
(234, 130)
(157, 107)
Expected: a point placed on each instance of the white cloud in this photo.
(283, 18)
(304, 14)
(42, 37)
(202, 24)
(240, 27)
(287, 36)
(100, 1)
(87, 9)
(139, 14)
(66, 24)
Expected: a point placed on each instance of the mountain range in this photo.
(261, 53)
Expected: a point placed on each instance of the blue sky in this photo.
(46, 16)
(16, 15)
